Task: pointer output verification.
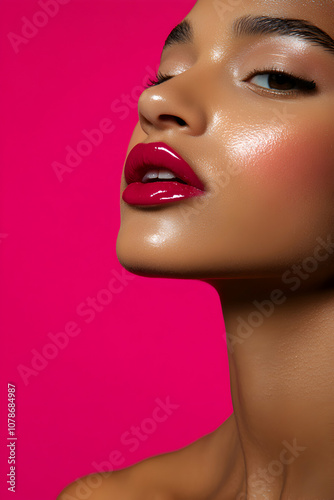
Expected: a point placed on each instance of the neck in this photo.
(281, 356)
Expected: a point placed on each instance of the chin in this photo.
(152, 260)
(150, 256)
(153, 257)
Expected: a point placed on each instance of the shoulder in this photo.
(100, 486)
(137, 482)
(177, 474)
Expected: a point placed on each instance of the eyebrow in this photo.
(260, 25)
(265, 25)
(182, 33)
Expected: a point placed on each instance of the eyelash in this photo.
(160, 78)
(305, 86)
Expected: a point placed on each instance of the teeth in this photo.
(160, 173)
(151, 174)
(166, 174)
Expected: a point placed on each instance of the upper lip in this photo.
(144, 157)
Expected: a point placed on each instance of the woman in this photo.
(229, 179)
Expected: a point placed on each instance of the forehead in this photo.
(212, 18)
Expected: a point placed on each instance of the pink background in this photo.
(155, 338)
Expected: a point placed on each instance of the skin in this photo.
(253, 238)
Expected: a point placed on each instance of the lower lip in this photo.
(158, 193)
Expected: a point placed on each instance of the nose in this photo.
(173, 106)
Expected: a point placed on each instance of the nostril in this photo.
(178, 120)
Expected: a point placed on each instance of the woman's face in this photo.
(250, 107)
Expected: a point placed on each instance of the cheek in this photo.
(286, 186)
(295, 165)
(300, 164)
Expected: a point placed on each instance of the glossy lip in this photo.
(144, 157)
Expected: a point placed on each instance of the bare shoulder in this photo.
(184, 473)
(98, 486)
(136, 482)
(187, 473)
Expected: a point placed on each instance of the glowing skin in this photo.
(271, 140)
(263, 231)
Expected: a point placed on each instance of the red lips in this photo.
(157, 156)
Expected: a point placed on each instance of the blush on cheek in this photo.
(295, 163)
(286, 187)
(307, 161)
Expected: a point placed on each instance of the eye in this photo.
(280, 82)
(160, 78)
